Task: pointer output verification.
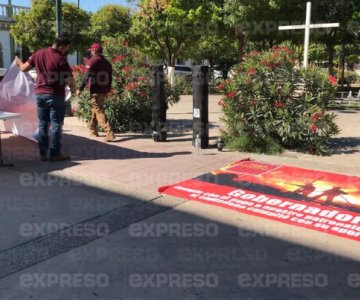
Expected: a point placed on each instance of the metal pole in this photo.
(159, 105)
(201, 105)
(77, 52)
(307, 34)
(58, 18)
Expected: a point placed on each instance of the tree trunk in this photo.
(171, 71)
(271, 44)
(331, 53)
(242, 41)
(225, 73)
(342, 65)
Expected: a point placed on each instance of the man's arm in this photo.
(111, 77)
(24, 67)
(84, 81)
(72, 84)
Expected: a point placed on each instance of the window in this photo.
(182, 68)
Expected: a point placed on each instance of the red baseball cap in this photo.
(95, 46)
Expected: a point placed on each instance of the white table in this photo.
(6, 116)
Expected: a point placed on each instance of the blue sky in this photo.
(90, 5)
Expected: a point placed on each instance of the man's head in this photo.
(62, 44)
(96, 49)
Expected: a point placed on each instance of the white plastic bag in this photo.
(17, 94)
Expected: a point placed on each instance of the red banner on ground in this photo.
(316, 200)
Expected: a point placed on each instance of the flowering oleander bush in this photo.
(270, 105)
(128, 106)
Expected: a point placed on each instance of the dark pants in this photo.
(51, 111)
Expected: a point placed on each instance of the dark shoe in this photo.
(60, 157)
(94, 134)
(109, 137)
(43, 158)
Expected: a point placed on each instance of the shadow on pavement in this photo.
(347, 111)
(345, 145)
(152, 250)
(80, 149)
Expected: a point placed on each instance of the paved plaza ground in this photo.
(93, 228)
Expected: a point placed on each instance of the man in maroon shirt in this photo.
(99, 76)
(53, 74)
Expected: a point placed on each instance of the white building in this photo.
(7, 45)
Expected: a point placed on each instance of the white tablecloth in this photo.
(4, 115)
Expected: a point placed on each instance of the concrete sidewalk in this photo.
(95, 227)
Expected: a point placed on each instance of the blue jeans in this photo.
(51, 111)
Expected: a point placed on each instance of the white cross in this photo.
(307, 28)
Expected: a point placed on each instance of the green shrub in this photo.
(349, 76)
(128, 106)
(259, 145)
(352, 76)
(269, 104)
(183, 86)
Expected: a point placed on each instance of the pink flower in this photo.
(79, 69)
(222, 103)
(220, 87)
(313, 128)
(127, 69)
(232, 94)
(118, 58)
(333, 80)
(278, 104)
(130, 86)
(254, 102)
(316, 117)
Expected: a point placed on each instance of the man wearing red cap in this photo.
(99, 76)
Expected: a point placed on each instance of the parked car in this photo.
(182, 71)
(345, 81)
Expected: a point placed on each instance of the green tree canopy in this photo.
(217, 44)
(252, 20)
(110, 21)
(36, 28)
(165, 28)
